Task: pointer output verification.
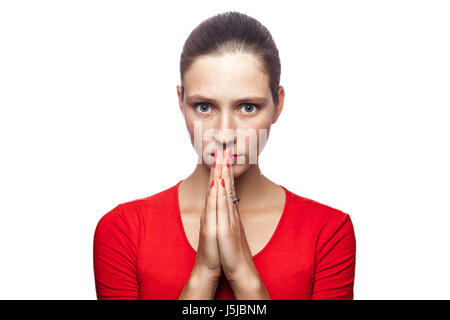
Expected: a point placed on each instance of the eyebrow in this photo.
(204, 98)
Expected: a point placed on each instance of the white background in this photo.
(89, 119)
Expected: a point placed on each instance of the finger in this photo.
(223, 216)
(217, 166)
(210, 219)
(227, 178)
(211, 176)
(211, 196)
(217, 173)
(233, 187)
(234, 205)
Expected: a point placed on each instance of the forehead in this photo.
(232, 74)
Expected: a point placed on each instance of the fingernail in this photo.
(212, 183)
(214, 164)
(223, 183)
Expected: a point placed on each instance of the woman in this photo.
(226, 231)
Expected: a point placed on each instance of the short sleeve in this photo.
(335, 260)
(115, 256)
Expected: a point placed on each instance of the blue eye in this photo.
(201, 107)
(249, 107)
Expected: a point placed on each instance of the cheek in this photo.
(189, 119)
(201, 137)
(256, 137)
(263, 131)
(263, 136)
(194, 126)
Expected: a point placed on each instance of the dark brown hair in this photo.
(233, 32)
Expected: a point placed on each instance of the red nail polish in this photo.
(212, 183)
(229, 156)
(223, 183)
(214, 164)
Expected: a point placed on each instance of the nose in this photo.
(227, 130)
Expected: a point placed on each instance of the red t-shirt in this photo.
(142, 252)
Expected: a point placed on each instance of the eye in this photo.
(202, 107)
(249, 108)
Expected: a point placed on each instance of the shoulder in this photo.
(322, 222)
(314, 210)
(331, 230)
(129, 214)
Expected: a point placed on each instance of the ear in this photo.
(180, 101)
(279, 105)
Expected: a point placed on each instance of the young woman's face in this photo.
(228, 104)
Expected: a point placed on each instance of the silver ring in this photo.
(236, 199)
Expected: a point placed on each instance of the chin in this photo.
(239, 169)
